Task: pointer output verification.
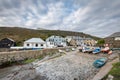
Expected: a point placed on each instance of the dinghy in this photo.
(99, 62)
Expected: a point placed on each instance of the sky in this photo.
(96, 17)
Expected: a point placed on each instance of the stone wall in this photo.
(26, 54)
(4, 49)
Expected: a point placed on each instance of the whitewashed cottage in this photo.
(35, 43)
(55, 41)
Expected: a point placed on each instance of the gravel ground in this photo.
(70, 66)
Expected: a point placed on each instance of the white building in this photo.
(78, 39)
(35, 43)
(89, 42)
(55, 41)
(117, 38)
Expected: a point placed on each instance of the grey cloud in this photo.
(96, 17)
(103, 17)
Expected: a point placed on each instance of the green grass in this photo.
(115, 71)
(40, 57)
(28, 61)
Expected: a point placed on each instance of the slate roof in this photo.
(8, 39)
(36, 40)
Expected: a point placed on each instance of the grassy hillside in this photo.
(22, 34)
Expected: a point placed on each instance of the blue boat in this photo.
(97, 50)
(99, 62)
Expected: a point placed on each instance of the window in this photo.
(8, 44)
(28, 45)
(41, 44)
(59, 39)
(50, 42)
(36, 45)
(64, 40)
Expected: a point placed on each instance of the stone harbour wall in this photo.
(25, 54)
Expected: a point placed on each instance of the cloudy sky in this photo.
(96, 17)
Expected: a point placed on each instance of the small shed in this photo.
(7, 43)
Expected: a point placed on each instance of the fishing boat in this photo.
(87, 50)
(96, 50)
(99, 62)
